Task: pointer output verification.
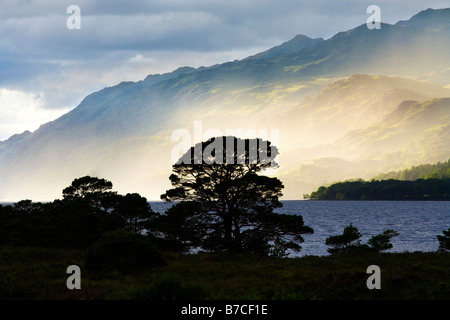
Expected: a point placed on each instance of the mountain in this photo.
(316, 92)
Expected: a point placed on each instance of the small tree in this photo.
(346, 242)
(349, 242)
(381, 242)
(444, 240)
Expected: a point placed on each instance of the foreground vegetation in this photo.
(40, 273)
(115, 246)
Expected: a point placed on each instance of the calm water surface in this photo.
(418, 222)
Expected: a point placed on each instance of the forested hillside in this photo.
(440, 170)
(421, 189)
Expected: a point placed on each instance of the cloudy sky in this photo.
(46, 69)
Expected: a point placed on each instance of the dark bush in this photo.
(444, 240)
(170, 287)
(123, 251)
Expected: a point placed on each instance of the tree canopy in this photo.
(134, 209)
(86, 186)
(234, 204)
(95, 190)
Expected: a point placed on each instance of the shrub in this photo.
(123, 251)
(349, 242)
(346, 242)
(444, 240)
(381, 242)
(170, 287)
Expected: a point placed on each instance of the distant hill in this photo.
(412, 134)
(414, 128)
(350, 104)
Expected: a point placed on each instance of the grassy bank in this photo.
(40, 273)
(37, 273)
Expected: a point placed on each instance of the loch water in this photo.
(417, 222)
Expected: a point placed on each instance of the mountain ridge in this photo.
(123, 132)
(296, 44)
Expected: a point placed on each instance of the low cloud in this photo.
(21, 111)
